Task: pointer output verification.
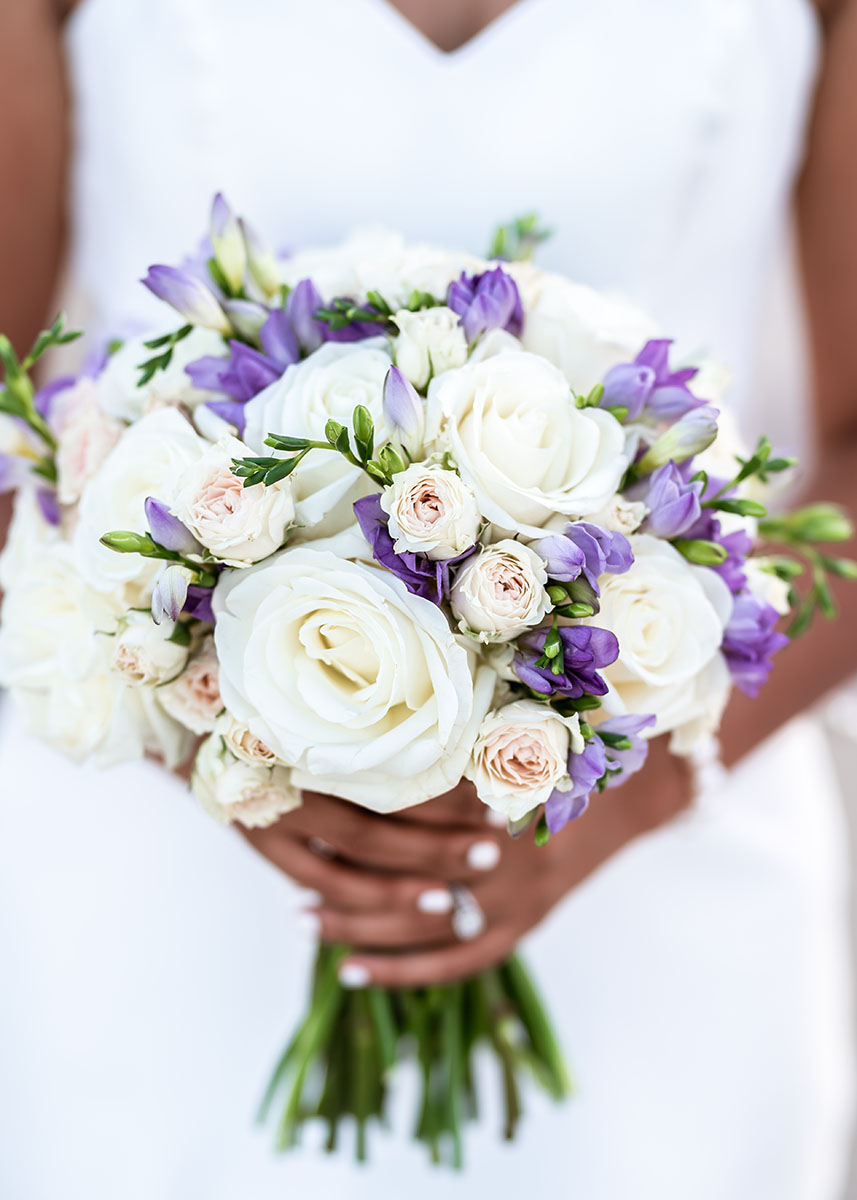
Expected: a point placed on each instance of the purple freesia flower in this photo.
(585, 549)
(49, 505)
(738, 544)
(301, 306)
(184, 292)
(621, 764)
(198, 603)
(169, 594)
(585, 770)
(749, 641)
(279, 340)
(403, 408)
(487, 301)
(648, 383)
(586, 649)
(419, 574)
(241, 375)
(167, 530)
(673, 503)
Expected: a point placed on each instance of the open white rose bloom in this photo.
(378, 518)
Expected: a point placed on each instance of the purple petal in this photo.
(49, 505)
(167, 530)
(232, 411)
(198, 603)
(750, 640)
(301, 306)
(628, 385)
(278, 339)
(169, 594)
(403, 408)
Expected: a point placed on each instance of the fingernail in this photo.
(353, 975)
(308, 923)
(482, 856)
(497, 819)
(435, 900)
(320, 847)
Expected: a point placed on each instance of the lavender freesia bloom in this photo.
(749, 641)
(167, 530)
(585, 770)
(419, 574)
(301, 306)
(673, 503)
(586, 649)
(621, 764)
(170, 594)
(190, 297)
(738, 544)
(403, 408)
(585, 549)
(198, 603)
(690, 435)
(279, 340)
(648, 383)
(487, 301)
(49, 505)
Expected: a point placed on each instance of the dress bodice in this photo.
(657, 138)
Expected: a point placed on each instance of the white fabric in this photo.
(149, 968)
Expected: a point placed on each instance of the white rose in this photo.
(500, 592)
(30, 538)
(231, 790)
(328, 384)
(119, 394)
(346, 676)
(86, 435)
(194, 698)
(668, 617)
(143, 652)
(521, 755)
(55, 656)
(767, 586)
(238, 525)
(620, 515)
(429, 342)
(521, 443)
(379, 259)
(245, 745)
(432, 512)
(581, 331)
(147, 461)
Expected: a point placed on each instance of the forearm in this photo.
(821, 659)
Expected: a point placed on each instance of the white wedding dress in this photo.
(149, 963)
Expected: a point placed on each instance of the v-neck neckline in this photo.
(397, 19)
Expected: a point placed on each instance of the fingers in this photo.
(344, 886)
(392, 845)
(445, 964)
(383, 928)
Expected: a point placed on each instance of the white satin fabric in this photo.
(150, 967)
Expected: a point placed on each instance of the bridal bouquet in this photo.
(372, 519)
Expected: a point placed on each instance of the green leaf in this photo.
(180, 635)
(842, 568)
(742, 508)
(282, 470)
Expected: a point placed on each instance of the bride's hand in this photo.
(384, 881)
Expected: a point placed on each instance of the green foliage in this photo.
(517, 241)
(159, 362)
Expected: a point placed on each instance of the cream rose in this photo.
(500, 592)
(581, 331)
(767, 586)
(620, 515)
(432, 512)
(429, 342)
(119, 395)
(194, 698)
(521, 443)
(238, 525)
(668, 617)
(346, 676)
(245, 745)
(328, 384)
(148, 460)
(143, 653)
(231, 790)
(521, 755)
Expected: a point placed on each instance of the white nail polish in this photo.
(435, 900)
(497, 819)
(482, 856)
(353, 975)
(308, 924)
